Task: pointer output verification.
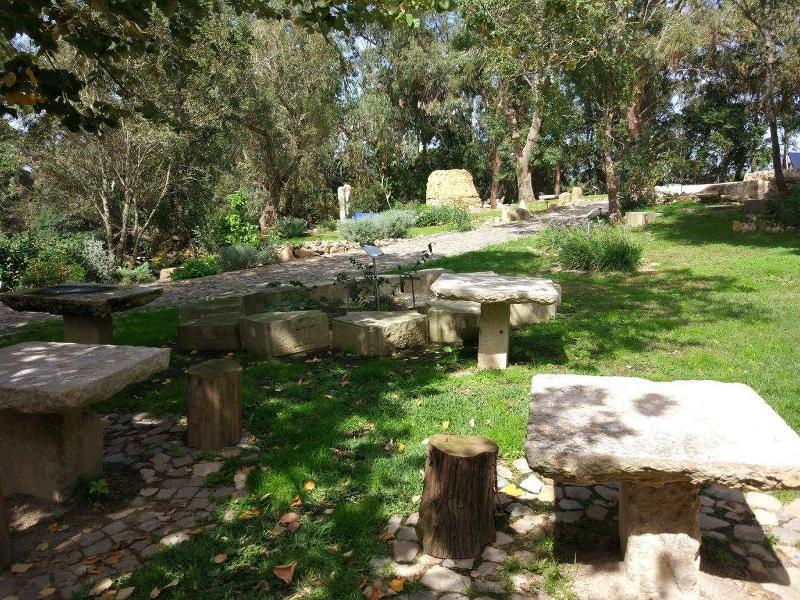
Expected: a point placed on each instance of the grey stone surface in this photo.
(101, 301)
(490, 288)
(52, 377)
(587, 429)
(441, 579)
(210, 333)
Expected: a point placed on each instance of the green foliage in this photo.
(604, 248)
(389, 224)
(427, 216)
(245, 256)
(128, 276)
(197, 267)
(462, 221)
(785, 210)
(51, 267)
(96, 261)
(236, 227)
(99, 487)
(290, 227)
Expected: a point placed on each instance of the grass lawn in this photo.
(709, 304)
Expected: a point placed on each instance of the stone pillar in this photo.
(44, 455)
(659, 531)
(5, 540)
(343, 194)
(80, 329)
(495, 325)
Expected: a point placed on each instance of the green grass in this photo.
(709, 304)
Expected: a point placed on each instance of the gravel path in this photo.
(324, 269)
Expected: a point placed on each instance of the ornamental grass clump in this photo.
(388, 224)
(601, 248)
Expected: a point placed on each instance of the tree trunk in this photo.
(456, 516)
(557, 180)
(268, 217)
(214, 405)
(780, 181)
(612, 186)
(772, 118)
(5, 540)
(494, 190)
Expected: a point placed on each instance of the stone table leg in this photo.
(659, 528)
(495, 326)
(45, 454)
(5, 540)
(80, 329)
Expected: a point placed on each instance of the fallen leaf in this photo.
(512, 490)
(347, 554)
(42, 547)
(445, 424)
(20, 568)
(125, 593)
(310, 485)
(289, 517)
(397, 584)
(249, 514)
(297, 501)
(172, 583)
(90, 560)
(386, 537)
(293, 526)
(46, 591)
(219, 559)
(285, 572)
(401, 447)
(101, 586)
(167, 381)
(113, 558)
(155, 592)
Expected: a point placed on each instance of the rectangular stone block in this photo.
(281, 333)
(373, 333)
(530, 313)
(333, 294)
(640, 218)
(44, 455)
(211, 333)
(453, 321)
(83, 329)
(280, 297)
(212, 306)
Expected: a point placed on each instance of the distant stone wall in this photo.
(788, 174)
(452, 187)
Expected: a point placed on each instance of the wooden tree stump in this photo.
(5, 540)
(456, 516)
(214, 404)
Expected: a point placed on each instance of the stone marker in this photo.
(576, 193)
(662, 441)
(373, 333)
(495, 293)
(453, 187)
(5, 539)
(219, 332)
(456, 515)
(86, 307)
(453, 321)
(640, 218)
(214, 404)
(343, 195)
(47, 437)
(281, 333)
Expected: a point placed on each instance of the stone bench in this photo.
(453, 321)
(640, 218)
(281, 333)
(212, 333)
(373, 333)
(48, 438)
(661, 441)
(422, 280)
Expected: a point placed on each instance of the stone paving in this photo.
(56, 556)
(757, 534)
(314, 271)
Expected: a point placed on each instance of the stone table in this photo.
(48, 438)
(661, 441)
(495, 293)
(86, 307)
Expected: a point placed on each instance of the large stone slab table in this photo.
(496, 294)
(87, 308)
(661, 441)
(48, 438)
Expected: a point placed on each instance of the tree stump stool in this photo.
(456, 515)
(5, 539)
(214, 404)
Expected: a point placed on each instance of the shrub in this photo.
(197, 267)
(235, 226)
(462, 221)
(51, 268)
(244, 256)
(388, 224)
(95, 260)
(290, 227)
(604, 248)
(140, 274)
(456, 216)
(785, 210)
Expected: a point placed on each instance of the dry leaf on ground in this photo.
(125, 593)
(219, 559)
(310, 485)
(285, 572)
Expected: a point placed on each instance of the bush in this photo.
(388, 224)
(197, 267)
(235, 226)
(290, 227)
(140, 274)
(95, 260)
(244, 256)
(785, 210)
(51, 268)
(462, 221)
(456, 216)
(604, 248)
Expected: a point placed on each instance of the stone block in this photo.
(640, 218)
(82, 329)
(44, 455)
(281, 333)
(218, 332)
(452, 187)
(453, 321)
(530, 313)
(513, 215)
(212, 306)
(336, 294)
(576, 193)
(373, 333)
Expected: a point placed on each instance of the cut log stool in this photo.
(214, 404)
(5, 540)
(456, 516)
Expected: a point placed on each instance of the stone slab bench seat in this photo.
(48, 437)
(453, 321)
(661, 441)
(211, 333)
(282, 333)
(373, 333)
